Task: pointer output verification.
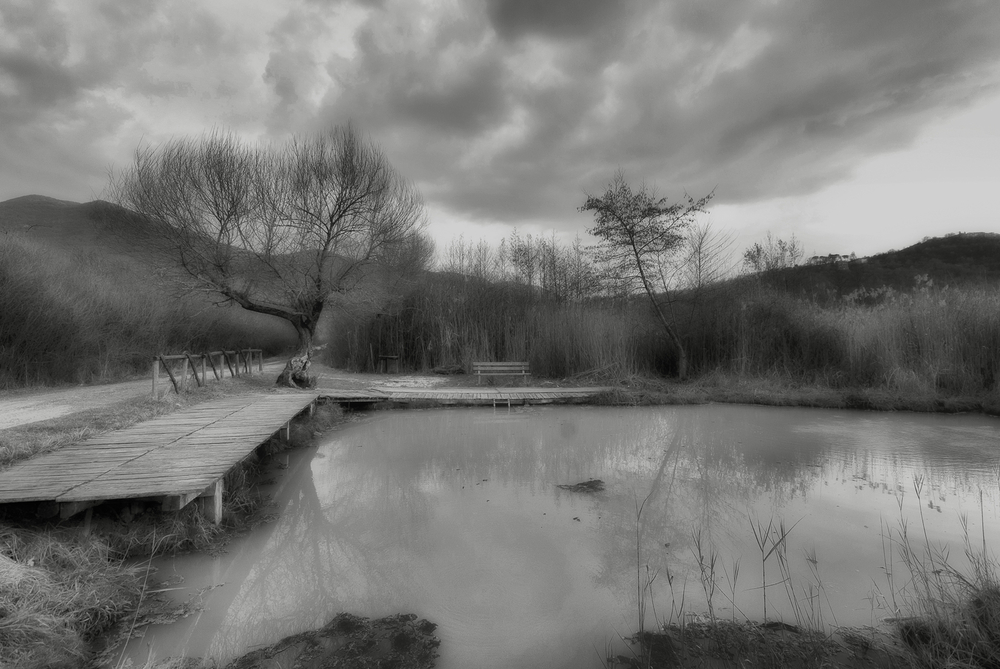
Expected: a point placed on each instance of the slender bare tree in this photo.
(276, 229)
(772, 254)
(641, 233)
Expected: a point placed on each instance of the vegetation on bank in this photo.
(555, 310)
(81, 317)
(933, 613)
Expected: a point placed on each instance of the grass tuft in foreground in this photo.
(59, 593)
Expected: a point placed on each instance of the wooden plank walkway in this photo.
(175, 457)
(464, 396)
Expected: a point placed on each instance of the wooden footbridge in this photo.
(172, 459)
(463, 396)
(182, 457)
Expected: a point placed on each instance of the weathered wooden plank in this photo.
(171, 455)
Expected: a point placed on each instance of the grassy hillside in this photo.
(957, 261)
(81, 304)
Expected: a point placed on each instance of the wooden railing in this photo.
(182, 368)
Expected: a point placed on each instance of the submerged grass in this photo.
(940, 615)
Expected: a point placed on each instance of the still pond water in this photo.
(455, 515)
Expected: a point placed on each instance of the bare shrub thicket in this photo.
(531, 298)
(553, 304)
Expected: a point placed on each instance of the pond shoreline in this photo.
(638, 392)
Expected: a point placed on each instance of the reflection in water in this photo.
(455, 515)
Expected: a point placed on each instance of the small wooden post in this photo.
(211, 501)
(156, 377)
(204, 370)
(184, 374)
(260, 361)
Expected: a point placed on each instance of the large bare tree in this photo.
(640, 236)
(277, 229)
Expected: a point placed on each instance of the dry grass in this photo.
(59, 593)
(939, 615)
(929, 346)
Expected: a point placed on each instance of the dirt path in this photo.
(23, 407)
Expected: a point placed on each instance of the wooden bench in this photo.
(481, 369)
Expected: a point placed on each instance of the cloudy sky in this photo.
(857, 125)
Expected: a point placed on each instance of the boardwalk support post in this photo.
(211, 502)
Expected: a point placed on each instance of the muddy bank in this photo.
(401, 641)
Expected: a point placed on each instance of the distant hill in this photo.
(84, 297)
(64, 224)
(961, 259)
(956, 259)
(69, 226)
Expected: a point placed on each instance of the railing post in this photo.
(194, 370)
(184, 373)
(156, 377)
(204, 378)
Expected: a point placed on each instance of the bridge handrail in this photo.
(237, 361)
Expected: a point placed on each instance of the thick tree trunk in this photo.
(296, 371)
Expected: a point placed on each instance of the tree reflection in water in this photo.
(455, 515)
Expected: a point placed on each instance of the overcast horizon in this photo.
(857, 127)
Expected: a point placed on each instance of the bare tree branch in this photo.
(277, 229)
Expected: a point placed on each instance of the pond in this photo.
(456, 515)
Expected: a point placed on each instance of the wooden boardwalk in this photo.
(174, 458)
(464, 396)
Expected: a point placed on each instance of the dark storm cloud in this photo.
(502, 110)
(447, 83)
(540, 101)
(555, 18)
(74, 75)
